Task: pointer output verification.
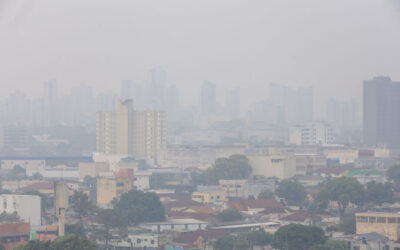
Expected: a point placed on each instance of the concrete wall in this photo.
(28, 207)
(281, 166)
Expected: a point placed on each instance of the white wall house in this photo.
(27, 207)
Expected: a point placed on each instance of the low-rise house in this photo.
(212, 196)
(27, 207)
(133, 241)
(302, 217)
(387, 224)
(195, 212)
(13, 235)
(369, 241)
(366, 175)
(252, 207)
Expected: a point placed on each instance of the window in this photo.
(381, 220)
(363, 219)
(391, 220)
(138, 241)
(372, 219)
(152, 241)
(217, 196)
(5, 204)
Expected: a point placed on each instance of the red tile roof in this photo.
(201, 209)
(14, 228)
(244, 205)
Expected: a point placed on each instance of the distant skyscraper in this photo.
(291, 105)
(126, 89)
(50, 97)
(343, 114)
(381, 109)
(233, 102)
(208, 100)
(156, 89)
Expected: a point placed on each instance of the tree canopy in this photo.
(80, 204)
(235, 167)
(344, 190)
(292, 191)
(266, 195)
(137, 206)
(298, 237)
(378, 193)
(230, 215)
(394, 173)
(332, 245)
(7, 217)
(70, 242)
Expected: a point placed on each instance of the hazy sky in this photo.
(330, 44)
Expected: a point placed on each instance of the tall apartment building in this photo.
(150, 134)
(381, 119)
(312, 133)
(208, 102)
(140, 133)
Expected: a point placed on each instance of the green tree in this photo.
(393, 174)
(241, 243)
(235, 167)
(77, 229)
(72, 242)
(6, 217)
(108, 219)
(266, 195)
(332, 244)
(292, 191)
(336, 244)
(80, 204)
(36, 245)
(137, 206)
(230, 215)
(258, 238)
(17, 173)
(378, 193)
(344, 190)
(298, 237)
(224, 243)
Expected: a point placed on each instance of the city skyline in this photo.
(333, 55)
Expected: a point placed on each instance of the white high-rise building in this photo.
(312, 133)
